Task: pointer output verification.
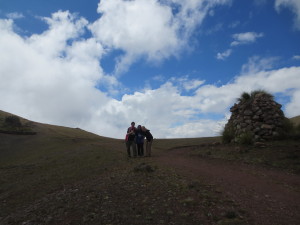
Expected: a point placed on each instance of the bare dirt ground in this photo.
(269, 196)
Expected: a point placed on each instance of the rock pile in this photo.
(257, 116)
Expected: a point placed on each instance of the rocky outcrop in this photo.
(258, 116)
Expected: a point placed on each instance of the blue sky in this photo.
(175, 66)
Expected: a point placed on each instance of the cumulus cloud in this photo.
(224, 55)
(44, 78)
(293, 107)
(170, 113)
(140, 28)
(245, 38)
(197, 128)
(63, 26)
(148, 28)
(52, 77)
(294, 6)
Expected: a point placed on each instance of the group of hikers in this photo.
(135, 140)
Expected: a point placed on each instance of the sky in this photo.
(174, 66)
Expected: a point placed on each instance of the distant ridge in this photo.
(45, 129)
(295, 120)
(25, 127)
(3, 114)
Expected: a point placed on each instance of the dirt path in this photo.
(269, 196)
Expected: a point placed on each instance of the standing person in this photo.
(149, 138)
(140, 136)
(130, 140)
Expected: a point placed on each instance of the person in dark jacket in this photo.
(130, 140)
(139, 137)
(149, 141)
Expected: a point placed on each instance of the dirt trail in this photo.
(269, 196)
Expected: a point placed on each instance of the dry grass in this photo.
(295, 120)
(64, 175)
(67, 171)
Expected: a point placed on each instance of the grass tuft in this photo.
(227, 135)
(246, 138)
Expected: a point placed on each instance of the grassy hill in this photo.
(33, 165)
(64, 175)
(295, 120)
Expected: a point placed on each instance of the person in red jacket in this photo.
(130, 140)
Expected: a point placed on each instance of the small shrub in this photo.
(246, 138)
(263, 92)
(12, 121)
(227, 135)
(244, 97)
(287, 130)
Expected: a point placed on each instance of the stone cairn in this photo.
(257, 115)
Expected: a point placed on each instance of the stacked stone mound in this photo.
(259, 116)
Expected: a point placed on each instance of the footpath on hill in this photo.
(269, 196)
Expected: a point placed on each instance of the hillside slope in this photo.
(32, 165)
(64, 175)
(295, 120)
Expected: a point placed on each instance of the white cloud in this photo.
(43, 84)
(169, 113)
(224, 55)
(294, 6)
(15, 15)
(140, 28)
(245, 38)
(159, 78)
(148, 28)
(239, 39)
(185, 83)
(63, 26)
(293, 107)
(296, 57)
(256, 64)
(197, 128)
(52, 77)
(192, 84)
